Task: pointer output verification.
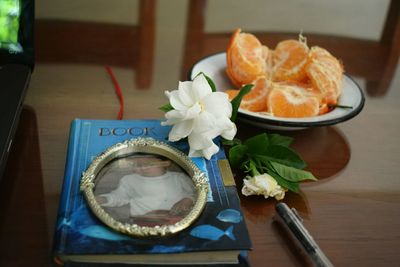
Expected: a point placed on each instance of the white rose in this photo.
(263, 184)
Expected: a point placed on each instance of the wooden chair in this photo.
(101, 43)
(376, 61)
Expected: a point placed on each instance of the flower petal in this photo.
(218, 104)
(202, 144)
(204, 122)
(193, 111)
(179, 114)
(180, 130)
(195, 153)
(207, 149)
(210, 151)
(199, 141)
(175, 100)
(200, 87)
(185, 93)
(227, 127)
(174, 116)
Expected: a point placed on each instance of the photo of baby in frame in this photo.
(145, 189)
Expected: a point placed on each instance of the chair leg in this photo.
(194, 35)
(145, 53)
(390, 39)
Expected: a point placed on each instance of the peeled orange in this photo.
(325, 73)
(290, 81)
(245, 58)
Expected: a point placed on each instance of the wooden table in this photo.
(353, 211)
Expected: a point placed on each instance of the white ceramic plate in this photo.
(214, 66)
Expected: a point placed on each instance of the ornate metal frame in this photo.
(144, 145)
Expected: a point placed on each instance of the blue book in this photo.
(218, 236)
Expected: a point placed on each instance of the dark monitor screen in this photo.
(16, 31)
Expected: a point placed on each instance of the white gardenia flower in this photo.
(263, 184)
(199, 114)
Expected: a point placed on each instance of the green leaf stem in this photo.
(235, 102)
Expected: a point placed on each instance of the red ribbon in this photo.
(118, 92)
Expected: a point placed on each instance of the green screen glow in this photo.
(9, 25)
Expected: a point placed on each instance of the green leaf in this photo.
(285, 155)
(166, 107)
(294, 187)
(234, 142)
(258, 145)
(292, 174)
(237, 155)
(211, 83)
(209, 80)
(236, 101)
(277, 139)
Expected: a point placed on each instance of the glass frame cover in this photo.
(144, 146)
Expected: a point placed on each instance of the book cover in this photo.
(217, 234)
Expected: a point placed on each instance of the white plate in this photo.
(214, 66)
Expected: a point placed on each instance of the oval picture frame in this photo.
(149, 147)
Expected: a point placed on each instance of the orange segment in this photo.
(326, 74)
(289, 59)
(245, 61)
(292, 101)
(256, 100)
(268, 58)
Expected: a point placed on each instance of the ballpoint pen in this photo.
(293, 222)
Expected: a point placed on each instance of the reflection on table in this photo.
(23, 225)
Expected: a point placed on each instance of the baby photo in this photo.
(145, 189)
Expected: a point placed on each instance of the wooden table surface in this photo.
(353, 210)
